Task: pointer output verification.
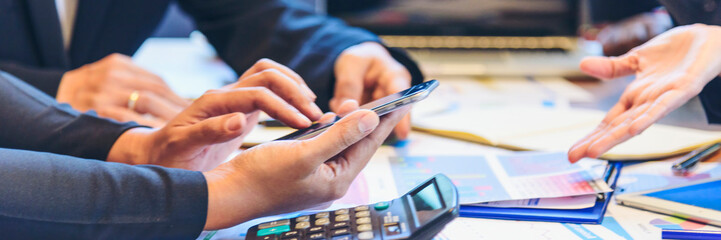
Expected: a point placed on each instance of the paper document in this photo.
(553, 129)
(504, 177)
(572, 202)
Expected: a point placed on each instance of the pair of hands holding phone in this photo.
(309, 172)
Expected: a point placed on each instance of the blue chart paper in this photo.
(471, 174)
(705, 195)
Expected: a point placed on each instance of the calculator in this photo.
(419, 214)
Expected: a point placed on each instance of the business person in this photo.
(670, 69)
(52, 190)
(77, 52)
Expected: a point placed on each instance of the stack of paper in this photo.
(533, 180)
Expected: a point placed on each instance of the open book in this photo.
(547, 129)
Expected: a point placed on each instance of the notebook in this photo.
(549, 129)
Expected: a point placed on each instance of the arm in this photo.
(45, 195)
(47, 80)
(33, 121)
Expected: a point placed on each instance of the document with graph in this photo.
(487, 178)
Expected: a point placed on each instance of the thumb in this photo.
(218, 129)
(346, 132)
(609, 67)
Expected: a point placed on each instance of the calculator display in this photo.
(427, 202)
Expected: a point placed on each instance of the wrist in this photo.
(133, 147)
(229, 203)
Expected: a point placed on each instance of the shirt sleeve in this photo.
(49, 196)
(45, 79)
(32, 120)
(244, 31)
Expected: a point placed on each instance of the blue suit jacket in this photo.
(242, 31)
(708, 12)
(45, 195)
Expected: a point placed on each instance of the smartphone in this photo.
(420, 214)
(381, 106)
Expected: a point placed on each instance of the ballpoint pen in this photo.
(687, 163)
(690, 234)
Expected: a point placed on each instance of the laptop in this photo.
(477, 37)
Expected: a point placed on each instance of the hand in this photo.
(619, 38)
(366, 72)
(670, 69)
(204, 134)
(106, 86)
(287, 176)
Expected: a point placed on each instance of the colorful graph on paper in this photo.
(471, 174)
(477, 182)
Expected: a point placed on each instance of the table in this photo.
(605, 93)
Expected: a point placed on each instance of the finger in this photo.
(349, 81)
(125, 115)
(154, 105)
(214, 130)
(357, 156)
(666, 103)
(609, 67)
(247, 100)
(403, 128)
(347, 107)
(286, 88)
(327, 118)
(340, 136)
(265, 64)
(147, 81)
(579, 150)
(616, 132)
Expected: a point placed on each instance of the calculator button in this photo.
(346, 237)
(274, 224)
(322, 221)
(269, 237)
(365, 235)
(342, 212)
(303, 219)
(302, 225)
(364, 228)
(322, 215)
(340, 232)
(362, 214)
(317, 236)
(392, 229)
(342, 218)
(339, 225)
(316, 229)
(381, 206)
(294, 233)
(363, 220)
(361, 208)
(273, 230)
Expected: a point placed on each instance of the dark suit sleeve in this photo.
(244, 31)
(686, 12)
(31, 120)
(49, 196)
(47, 80)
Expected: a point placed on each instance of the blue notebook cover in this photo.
(592, 215)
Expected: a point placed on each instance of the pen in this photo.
(689, 234)
(686, 164)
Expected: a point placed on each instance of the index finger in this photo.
(265, 64)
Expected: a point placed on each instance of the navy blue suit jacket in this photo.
(46, 195)
(708, 12)
(242, 31)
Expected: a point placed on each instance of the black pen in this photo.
(689, 161)
(272, 123)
